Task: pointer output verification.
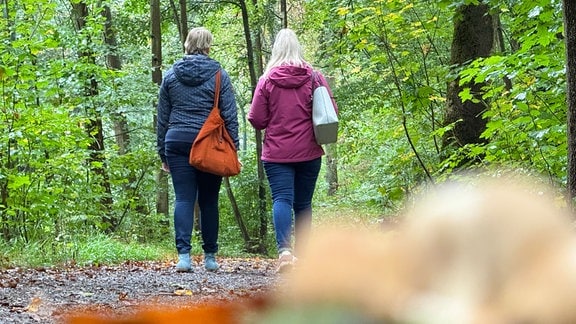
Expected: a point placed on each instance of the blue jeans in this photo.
(292, 186)
(190, 184)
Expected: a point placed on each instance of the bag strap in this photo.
(217, 90)
(314, 77)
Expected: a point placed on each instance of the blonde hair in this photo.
(198, 41)
(286, 51)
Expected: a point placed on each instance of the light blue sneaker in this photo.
(184, 264)
(210, 263)
(286, 261)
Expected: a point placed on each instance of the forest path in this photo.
(49, 295)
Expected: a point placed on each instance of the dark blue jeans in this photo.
(292, 186)
(190, 184)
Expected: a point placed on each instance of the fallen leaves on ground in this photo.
(48, 295)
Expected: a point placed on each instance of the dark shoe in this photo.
(210, 263)
(184, 264)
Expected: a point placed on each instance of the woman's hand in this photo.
(165, 167)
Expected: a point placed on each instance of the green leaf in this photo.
(17, 181)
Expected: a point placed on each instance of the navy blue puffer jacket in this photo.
(186, 97)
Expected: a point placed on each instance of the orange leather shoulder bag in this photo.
(213, 151)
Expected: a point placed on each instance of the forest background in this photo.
(426, 89)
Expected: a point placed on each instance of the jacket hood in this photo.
(289, 76)
(195, 69)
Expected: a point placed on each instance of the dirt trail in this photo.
(48, 295)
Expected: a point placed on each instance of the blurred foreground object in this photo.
(495, 251)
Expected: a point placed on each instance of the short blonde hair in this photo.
(286, 51)
(198, 41)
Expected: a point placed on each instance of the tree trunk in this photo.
(121, 130)
(499, 44)
(237, 214)
(180, 19)
(4, 193)
(155, 32)
(114, 62)
(331, 160)
(284, 13)
(257, 68)
(332, 168)
(94, 128)
(473, 38)
(570, 31)
(254, 63)
(183, 25)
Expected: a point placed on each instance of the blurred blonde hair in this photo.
(286, 51)
(198, 41)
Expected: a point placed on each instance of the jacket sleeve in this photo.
(259, 114)
(228, 108)
(163, 118)
(325, 83)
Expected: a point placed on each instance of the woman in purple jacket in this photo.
(282, 105)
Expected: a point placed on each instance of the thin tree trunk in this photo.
(114, 63)
(183, 25)
(284, 13)
(332, 168)
(4, 218)
(94, 128)
(570, 31)
(236, 212)
(180, 19)
(254, 63)
(4, 193)
(155, 32)
(500, 45)
(257, 68)
(331, 161)
(121, 130)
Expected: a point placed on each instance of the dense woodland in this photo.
(426, 89)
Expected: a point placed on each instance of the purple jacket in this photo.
(282, 105)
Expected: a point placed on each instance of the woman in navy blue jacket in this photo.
(185, 100)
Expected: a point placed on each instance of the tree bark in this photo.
(331, 160)
(237, 214)
(570, 39)
(4, 193)
(254, 63)
(499, 44)
(121, 129)
(332, 169)
(284, 13)
(183, 26)
(473, 38)
(155, 32)
(94, 127)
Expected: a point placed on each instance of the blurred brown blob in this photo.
(497, 251)
(214, 312)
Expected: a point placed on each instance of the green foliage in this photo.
(47, 186)
(527, 121)
(80, 250)
(388, 61)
